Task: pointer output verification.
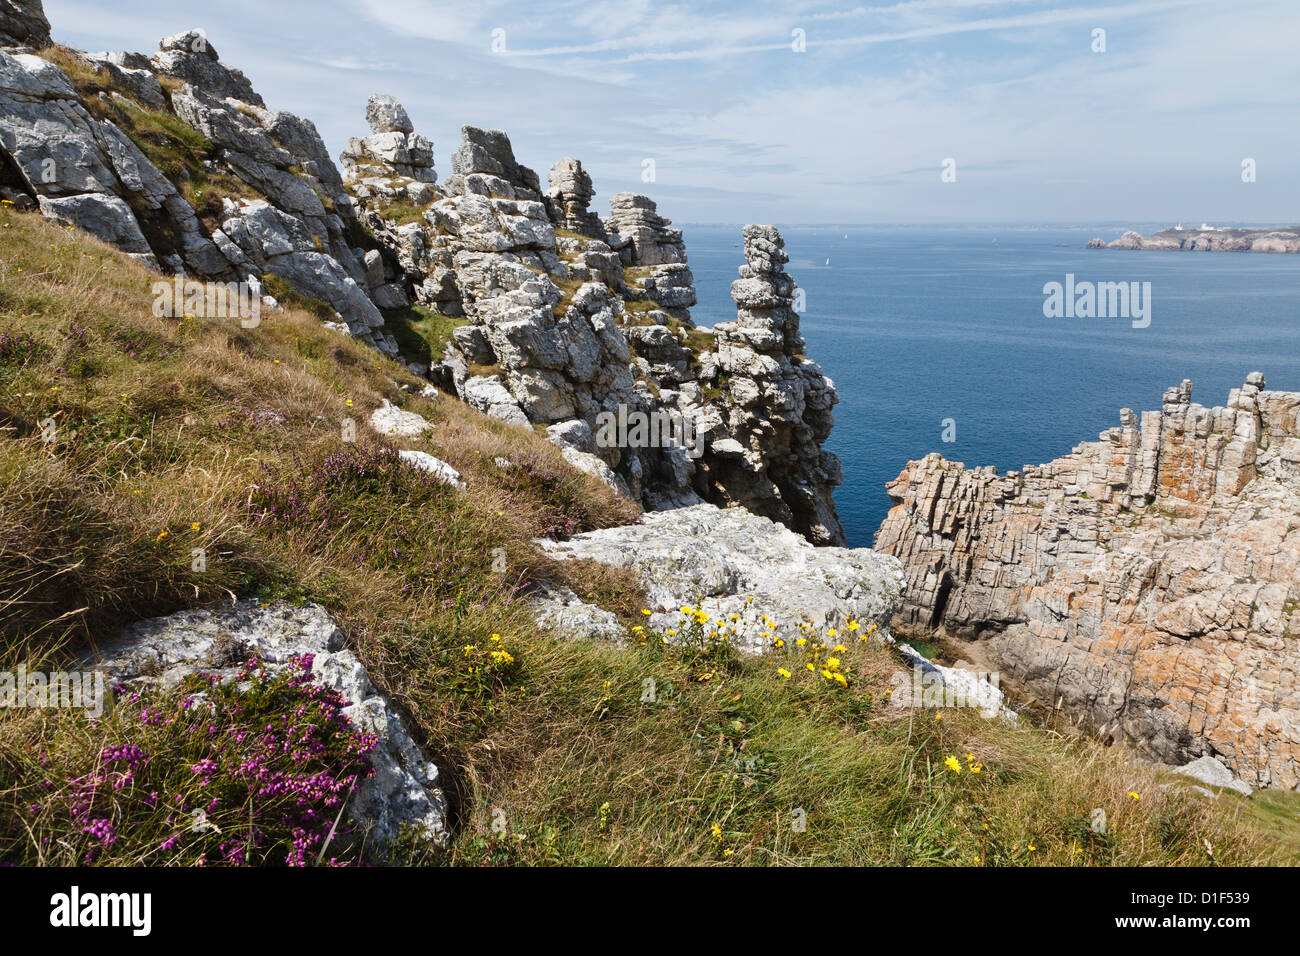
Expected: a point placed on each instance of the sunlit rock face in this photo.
(1148, 584)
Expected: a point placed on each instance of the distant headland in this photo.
(1208, 238)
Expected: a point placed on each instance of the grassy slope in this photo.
(161, 426)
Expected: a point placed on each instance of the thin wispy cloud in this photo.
(1045, 18)
(852, 122)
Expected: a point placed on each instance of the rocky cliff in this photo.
(176, 160)
(568, 318)
(1148, 584)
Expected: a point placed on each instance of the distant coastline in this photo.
(1207, 238)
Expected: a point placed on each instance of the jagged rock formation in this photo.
(569, 195)
(1206, 240)
(719, 558)
(778, 411)
(652, 242)
(560, 327)
(403, 792)
(88, 173)
(655, 252)
(1148, 584)
(23, 24)
(65, 145)
(393, 161)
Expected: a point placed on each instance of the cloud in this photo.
(741, 127)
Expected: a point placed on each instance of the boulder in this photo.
(718, 558)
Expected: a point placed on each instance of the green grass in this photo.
(283, 293)
(568, 289)
(403, 211)
(166, 425)
(422, 334)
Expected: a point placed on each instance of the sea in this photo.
(937, 340)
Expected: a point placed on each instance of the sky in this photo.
(801, 112)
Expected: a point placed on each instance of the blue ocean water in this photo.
(921, 324)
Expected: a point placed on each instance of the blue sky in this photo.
(854, 129)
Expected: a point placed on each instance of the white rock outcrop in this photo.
(719, 558)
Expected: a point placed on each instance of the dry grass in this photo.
(161, 425)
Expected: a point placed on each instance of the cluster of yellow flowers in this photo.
(495, 656)
(831, 666)
(953, 764)
(704, 633)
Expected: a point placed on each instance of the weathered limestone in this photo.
(23, 24)
(488, 250)
(393, 162)
(650, 240)
(1148, 584)
(569, 195)
(550, 338)
(73, 158)
(560, 330)
(87, 173)
(190, 58)
(776, 403)
(718, 558)
(656, 252)
(404, 791)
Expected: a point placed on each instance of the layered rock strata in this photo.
(776, 408)
(1148, 584)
